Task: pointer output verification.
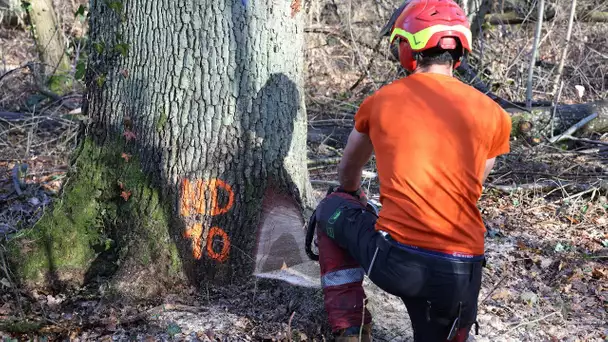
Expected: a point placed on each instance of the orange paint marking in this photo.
(193, 197)
(185, 205)
(193, 201)
(195, 233)
(215, 184)
(199, 197)
(223, 254)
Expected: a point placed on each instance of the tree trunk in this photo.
(50, 43)
(194, 166)
(539, 121)
(476, 11)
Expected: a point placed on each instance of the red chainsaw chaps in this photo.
(344, 303)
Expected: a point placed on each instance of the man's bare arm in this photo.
(357, 152)
(486, 171)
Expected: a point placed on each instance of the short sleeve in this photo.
(500, 142)
(363, 115)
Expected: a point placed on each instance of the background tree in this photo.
(50, 43)
(197, 130)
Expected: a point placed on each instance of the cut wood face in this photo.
(279, 252)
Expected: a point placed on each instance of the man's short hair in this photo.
(438, 55)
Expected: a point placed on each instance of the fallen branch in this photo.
(324, 161)
(538, 186)
(589, 141)
(565, 117)
(323, 182)
(494, 287)
(12, 70)
(574, 128)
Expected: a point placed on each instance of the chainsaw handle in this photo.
(310, 233)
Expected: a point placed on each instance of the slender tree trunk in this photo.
(476, 11)
(535, 43)
(195, 161)
(50, 42)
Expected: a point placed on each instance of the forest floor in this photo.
(545, 209)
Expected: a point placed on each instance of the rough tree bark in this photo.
(198, 133)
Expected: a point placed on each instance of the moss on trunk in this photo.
(110, 214)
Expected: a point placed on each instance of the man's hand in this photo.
(487, 169)
(357, 152)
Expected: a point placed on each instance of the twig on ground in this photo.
(289, 337)
(362, 320)
(577, 195)
(533, 321)
(569, 137)
(11, 71)
(494, 287)
(334, 150)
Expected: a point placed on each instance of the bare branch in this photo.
(539, 26)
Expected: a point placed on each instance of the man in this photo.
(435, 141)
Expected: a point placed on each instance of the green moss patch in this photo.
(109, 211)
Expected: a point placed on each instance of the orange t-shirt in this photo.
(432, 135)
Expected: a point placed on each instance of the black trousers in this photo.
(441, 294)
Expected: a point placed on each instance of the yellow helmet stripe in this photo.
(419, 39)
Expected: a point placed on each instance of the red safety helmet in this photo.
(426, 24)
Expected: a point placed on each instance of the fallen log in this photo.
(542, 122)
